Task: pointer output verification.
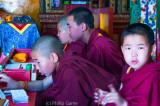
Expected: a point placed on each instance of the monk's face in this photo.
(44, 65)
(75, 31)
(63, 35)
(136, 50)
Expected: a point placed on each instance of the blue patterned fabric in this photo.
(9, 36)
(148, 14)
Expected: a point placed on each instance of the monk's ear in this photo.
(83, 27)
(54, 57)
(153, 52)
(122, 48)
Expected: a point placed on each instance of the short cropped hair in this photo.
(63, 22)
(45, 45)
(140, 29)
(82, 15)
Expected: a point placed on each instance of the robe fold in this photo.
(142, 87)
(75, 82)
(103, 52)
(76, 47)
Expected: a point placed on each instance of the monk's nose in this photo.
(37, 67)
(134, 54)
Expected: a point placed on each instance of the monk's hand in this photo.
(8, 82)
(114, 97)
(100, 96)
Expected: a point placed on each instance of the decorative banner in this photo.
(19, 28)
(158, 16)
(133, 1)
(135, 11)
(10, 36)
(148, 14)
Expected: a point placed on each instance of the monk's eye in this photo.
(128, 48)
(140, 48)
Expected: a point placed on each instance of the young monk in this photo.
(65, 39)
(74, 77)
(62, 28)
(100, 50)
(141, 85)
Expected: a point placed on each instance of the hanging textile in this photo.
(19, 35)
(148, 14)
(135, 11)
(158, 16)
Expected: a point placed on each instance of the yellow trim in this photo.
(128, 70)
(99, 34)
(65, 47)
(20, 31)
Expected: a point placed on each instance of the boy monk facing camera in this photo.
(141, 76)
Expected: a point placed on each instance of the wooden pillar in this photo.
(100, 3)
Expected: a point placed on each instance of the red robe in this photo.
(103, 52)
(76, 79)
(142, 87)
(76, 47)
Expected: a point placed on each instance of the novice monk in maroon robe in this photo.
(63, 36)
(75, 80)
(141, 78)
(103, 52)
(70, 79)
(100, 49)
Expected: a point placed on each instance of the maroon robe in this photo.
(142, 87)
(102, 51)
(76, 47)
(76, 80)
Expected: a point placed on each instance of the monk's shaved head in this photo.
(46, 45)
(63, 22)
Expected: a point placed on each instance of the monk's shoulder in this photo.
(155, 76)
(70, 70)
(103, 41)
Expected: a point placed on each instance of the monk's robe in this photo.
(102, 51)
(142, 87)
(44, 98)
(75, 82)
(102, 32)
(76, 47)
